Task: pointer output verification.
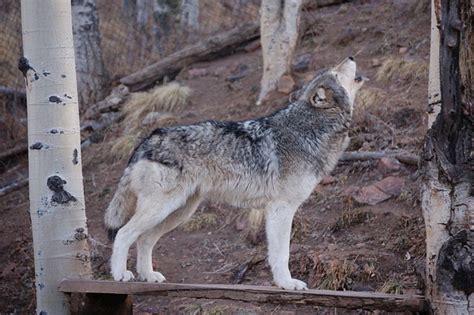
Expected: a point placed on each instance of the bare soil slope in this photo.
(338, 243)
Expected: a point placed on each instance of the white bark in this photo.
(92, 76)
(434, 89)
(190, 14)
(446, 192)
(57, 214)
(278, 35)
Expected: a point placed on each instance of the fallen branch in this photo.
(19, 149)
(401, 156)
(12, 91)
(13, 186)
(218, 45)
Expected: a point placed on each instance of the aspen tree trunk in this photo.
(92, 77)
(278, 35)
(57, 207)
(190, 14)
(447, 161)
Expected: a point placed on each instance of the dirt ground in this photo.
(337, 243)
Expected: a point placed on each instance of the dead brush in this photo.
(392, 286)
(160, 100)
(200, 221)
(408, 236)
(369, 102)
(333, 275)
(349, 218)
(402, 70)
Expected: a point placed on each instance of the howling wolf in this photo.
(271, 163)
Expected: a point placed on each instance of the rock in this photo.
(332, 247)
(349, 191)
(253, 46)
(241, 223)
(370, 195)
(388, 165)
(302, 63)
(375, 63)
(159, 118)
(219, 71)
(238, 73)
(328, 180)
(391, 185)
(286, 84)
(197, 73)
(403, 50)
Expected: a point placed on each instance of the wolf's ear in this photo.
(322, 98)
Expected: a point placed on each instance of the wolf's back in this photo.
(122, 206)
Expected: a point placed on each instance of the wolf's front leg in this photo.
(278, 227)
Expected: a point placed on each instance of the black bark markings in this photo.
(36, 146)
(60, 196)
(55, 99)
(75, 153)
(456, 263)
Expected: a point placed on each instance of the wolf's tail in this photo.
(122, 206)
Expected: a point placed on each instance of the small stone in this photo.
(391, 185)
(253, 46)
(370, 195)
(403, 50)
(388, 165)
(332, 247)
(328, 180)
(302, 63)
(375, 63)
(286, 84)
(197, 73)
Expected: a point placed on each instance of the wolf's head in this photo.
(334, 87)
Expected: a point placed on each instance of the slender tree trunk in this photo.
(279, 34)
(190, 14)
(92, 78)
(57, 207)
(447, 162)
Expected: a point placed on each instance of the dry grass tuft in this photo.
(402, 70)
(392, 286)
(255, 220)
(169, 97)
(351, 217)
(200, 221)
(370, 97)
(334, 275)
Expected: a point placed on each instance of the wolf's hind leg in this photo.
(147, 240)
(278, 228)
(144, 219)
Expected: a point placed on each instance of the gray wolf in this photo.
(271, 163)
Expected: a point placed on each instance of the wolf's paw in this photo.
(292, 284)
(153, 276)
(125, 275)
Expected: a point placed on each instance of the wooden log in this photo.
(250, 293)
(401, 156)
(12, 91)
(218, 45)
(5, 190)
(19, 149)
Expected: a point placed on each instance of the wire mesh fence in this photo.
(133, 34)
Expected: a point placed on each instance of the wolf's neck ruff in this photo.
(272, 163)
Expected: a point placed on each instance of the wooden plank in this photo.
(250, 293)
